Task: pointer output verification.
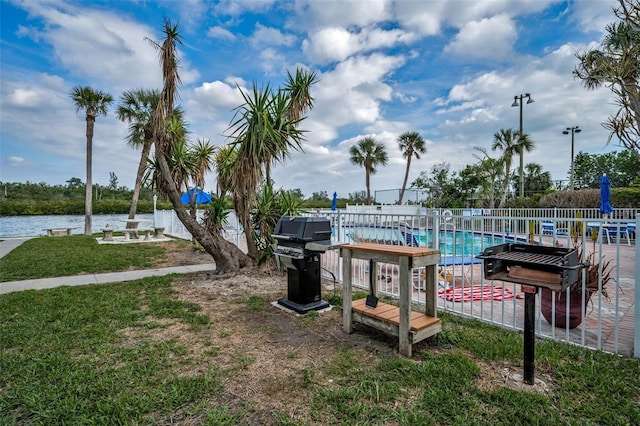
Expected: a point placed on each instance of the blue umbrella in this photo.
(334, 202)
(605, 195)
(201, 197)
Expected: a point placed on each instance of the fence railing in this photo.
(610, 322)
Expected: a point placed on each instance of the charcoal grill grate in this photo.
(555, 268)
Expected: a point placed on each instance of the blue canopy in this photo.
(334, 202)
(201, 197)
(605, 195)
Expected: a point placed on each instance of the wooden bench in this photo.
(410, 327)
(386, 317)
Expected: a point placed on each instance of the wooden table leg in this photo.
(346, 291)
(405, 307)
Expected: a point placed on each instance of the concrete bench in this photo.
(129, 233)
(159, 232)
(58, 232)
(107, 234)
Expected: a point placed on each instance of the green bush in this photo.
(590, 198)
(63, 207)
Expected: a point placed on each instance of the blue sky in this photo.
(446, 69)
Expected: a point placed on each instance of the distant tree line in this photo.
(31, 198)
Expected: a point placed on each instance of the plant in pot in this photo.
(577, 294)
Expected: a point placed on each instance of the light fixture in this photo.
(517, 101)
(573, 130)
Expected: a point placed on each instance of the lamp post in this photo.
(517, 100)
(573, 130)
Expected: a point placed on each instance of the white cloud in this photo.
(490, 39)
(220, 33)
(312, 14)
(16, 160)
(266, 36)
(336, 44)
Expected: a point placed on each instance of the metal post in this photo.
(517, 101)
(529, 333)
(574, 130)
(636, 328)
(521, 170)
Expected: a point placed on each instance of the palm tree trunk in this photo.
(226, 255)
(367, 173)
(406, 177)
(88, 195)
(146, 149)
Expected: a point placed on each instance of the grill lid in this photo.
(302, 229)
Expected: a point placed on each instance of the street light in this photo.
(517, 100)
(573, 130)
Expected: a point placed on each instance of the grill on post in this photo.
(555, 268)
(300, 242)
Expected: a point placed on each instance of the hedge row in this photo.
(59, 207)
(590, 198)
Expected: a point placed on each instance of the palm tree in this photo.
(411, 144)
(264, 129)
(227, 256)
(225, 158)
(536, 181)
(616, 65)
(368, 153)
(93, 103)
(135, 108)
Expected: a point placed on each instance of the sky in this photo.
(447, 69)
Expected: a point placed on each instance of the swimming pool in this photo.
(457, 243)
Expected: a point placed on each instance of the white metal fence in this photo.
(610, 323)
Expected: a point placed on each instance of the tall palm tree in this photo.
(262, 132)
(94, 103)
(411, 144)
(298, 88)
(226, 255)
(135, 108)
(225, 158)
(616, 65)
(368, 153)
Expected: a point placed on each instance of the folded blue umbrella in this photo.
(605, 195)
(201, 197)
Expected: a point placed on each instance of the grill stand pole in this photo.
(529, 333)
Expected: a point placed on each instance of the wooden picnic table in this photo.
(410, 327)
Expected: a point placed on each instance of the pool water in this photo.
(459, 242)
(466, 243)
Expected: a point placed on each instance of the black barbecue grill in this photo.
(555, 268)
(300, 242)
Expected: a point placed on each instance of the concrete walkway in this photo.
(8, 244)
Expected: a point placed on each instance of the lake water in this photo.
(33, 226)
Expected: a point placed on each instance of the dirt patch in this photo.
(181, 253)
(270, 357)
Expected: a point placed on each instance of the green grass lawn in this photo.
(67, 357)
(77, 254)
